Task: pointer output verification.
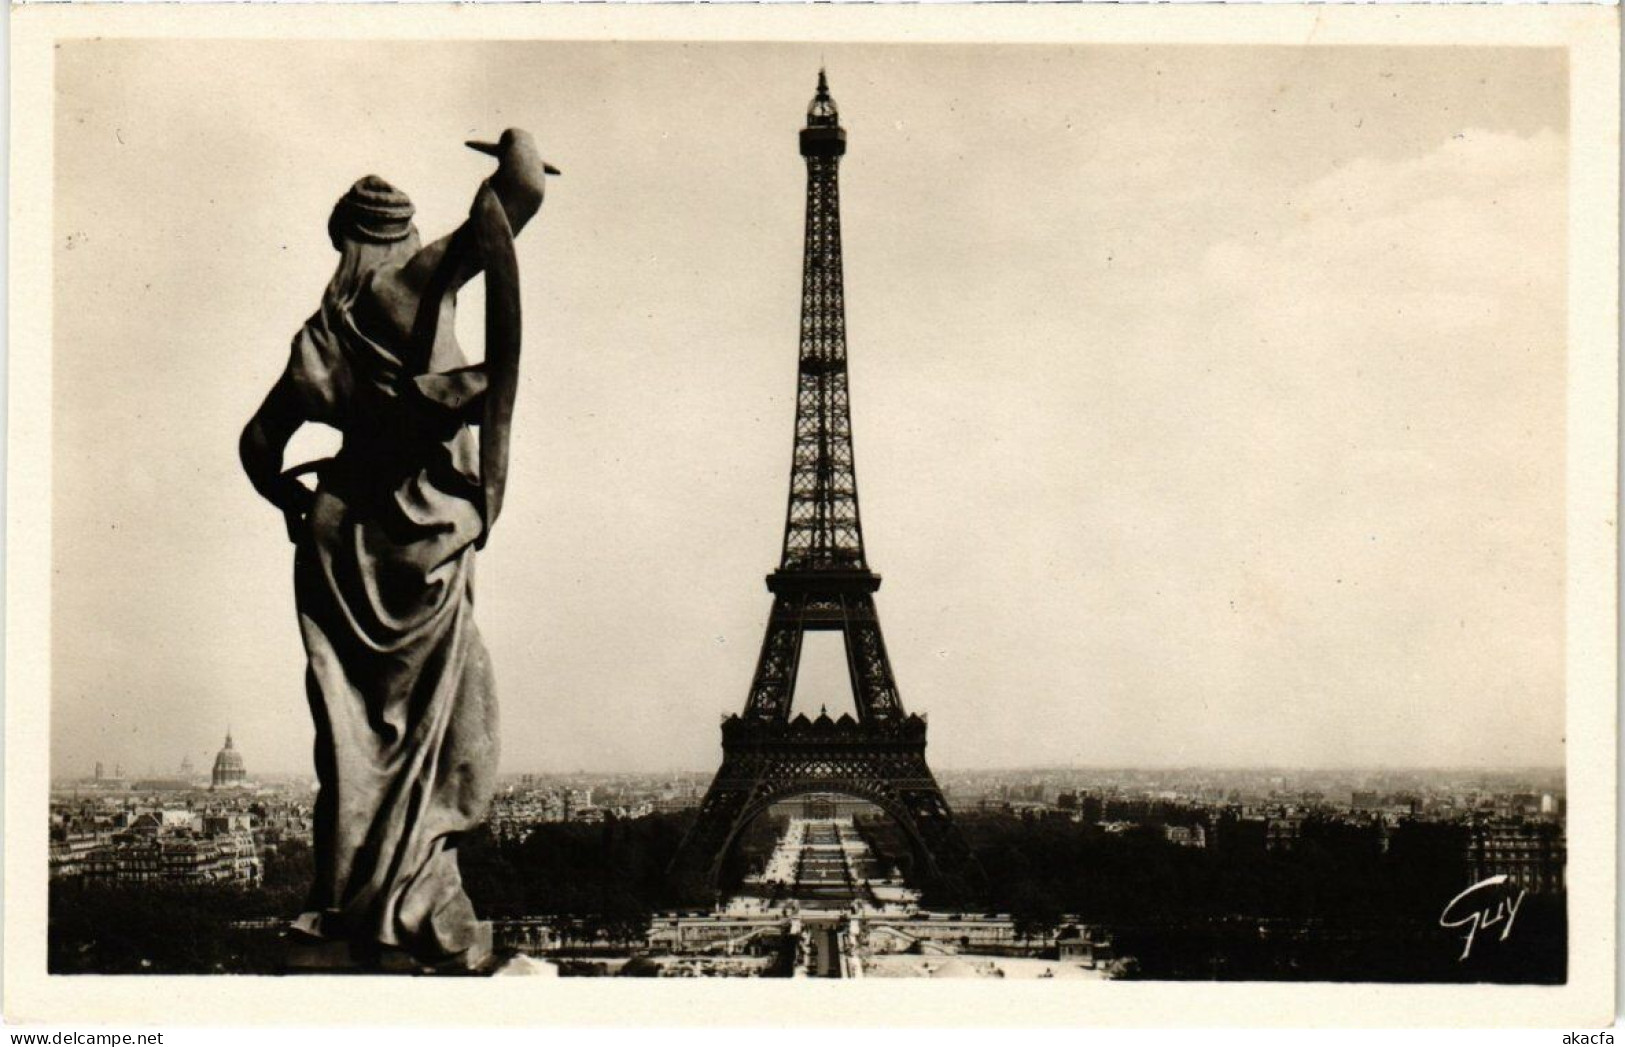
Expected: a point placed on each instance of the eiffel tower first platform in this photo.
(824, 582)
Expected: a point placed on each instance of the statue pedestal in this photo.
(481, 956)
(306, 955)
(476, 959)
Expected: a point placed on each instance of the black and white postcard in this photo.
(521, 502)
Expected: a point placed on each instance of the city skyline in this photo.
(1134, 505)
(199, 768)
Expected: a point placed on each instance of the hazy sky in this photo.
(1208, 402)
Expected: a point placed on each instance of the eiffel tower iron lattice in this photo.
(824, 583)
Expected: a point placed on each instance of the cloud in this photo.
(1459, 237)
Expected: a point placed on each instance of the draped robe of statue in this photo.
(398, 681)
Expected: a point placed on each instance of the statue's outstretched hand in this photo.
(521, 173)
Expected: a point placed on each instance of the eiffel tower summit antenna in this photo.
(823, 582)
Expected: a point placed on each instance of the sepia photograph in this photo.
(465, 463)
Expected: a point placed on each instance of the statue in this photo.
(398, 681)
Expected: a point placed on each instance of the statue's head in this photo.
(372, 212)
(371, 227)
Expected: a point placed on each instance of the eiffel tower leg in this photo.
(697, 867)
(774, 684)
(874, 690)
(951, 862)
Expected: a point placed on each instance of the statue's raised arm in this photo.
(519, 182)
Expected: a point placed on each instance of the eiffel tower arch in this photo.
(824, 583)
(766, 763)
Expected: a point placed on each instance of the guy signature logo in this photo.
(1472, 909)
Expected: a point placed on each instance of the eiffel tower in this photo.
(824, 582)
